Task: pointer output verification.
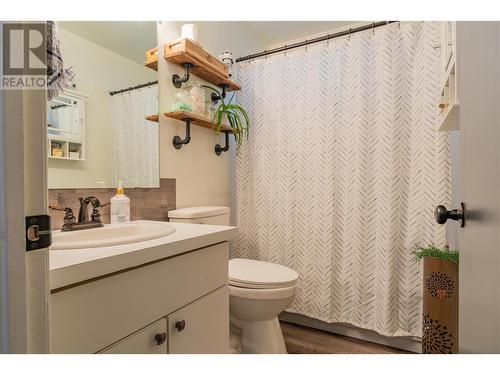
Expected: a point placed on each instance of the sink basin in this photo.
(110, 235)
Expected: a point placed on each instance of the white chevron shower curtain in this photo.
(342, 171)
(135, 140)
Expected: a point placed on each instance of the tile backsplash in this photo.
(145, 203)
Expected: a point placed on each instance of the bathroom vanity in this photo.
(164, 295)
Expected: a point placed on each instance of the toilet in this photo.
(258, 291)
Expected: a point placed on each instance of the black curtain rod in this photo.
(306, 42)
(133, 88)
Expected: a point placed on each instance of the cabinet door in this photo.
(201, 327)
(149, 340)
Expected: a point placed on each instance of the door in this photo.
(478, 50)
(201, 327)
(23, 192)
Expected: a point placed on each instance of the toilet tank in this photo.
(214, 215)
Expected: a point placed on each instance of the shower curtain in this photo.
(342, 171)
(135, 139)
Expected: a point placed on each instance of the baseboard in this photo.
(411, 344)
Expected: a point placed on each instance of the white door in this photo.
(478, 48)
(23, 192)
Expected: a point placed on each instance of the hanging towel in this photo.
(58, 77)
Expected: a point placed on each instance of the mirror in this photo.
(96, 139)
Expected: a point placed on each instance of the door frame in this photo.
(24, 276)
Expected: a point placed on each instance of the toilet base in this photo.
(261, 337)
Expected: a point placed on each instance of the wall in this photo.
(97, 71)
(202, 177)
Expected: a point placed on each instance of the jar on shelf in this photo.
(183, 101)
(210, 109)
(198, 95)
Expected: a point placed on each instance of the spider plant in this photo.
(235, 114)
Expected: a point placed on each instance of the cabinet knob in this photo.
(160, 338)
(180, 325)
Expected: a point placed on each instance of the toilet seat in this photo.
(254, 274)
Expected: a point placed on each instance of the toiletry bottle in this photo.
(120, 206)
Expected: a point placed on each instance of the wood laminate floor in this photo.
(304, 340)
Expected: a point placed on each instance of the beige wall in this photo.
(98, 71)
(203, 178)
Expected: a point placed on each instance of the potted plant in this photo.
(235, 115)
(440, 299)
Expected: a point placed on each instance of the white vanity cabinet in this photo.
(172, 305)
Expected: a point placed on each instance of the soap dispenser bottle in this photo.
(120, 206)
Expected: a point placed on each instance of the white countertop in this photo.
(72, 266)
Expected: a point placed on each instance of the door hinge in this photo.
(38, 233)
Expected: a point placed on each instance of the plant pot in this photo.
(440, 306)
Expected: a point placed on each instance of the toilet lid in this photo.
(255, 274)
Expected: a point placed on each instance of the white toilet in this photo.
(258, 291)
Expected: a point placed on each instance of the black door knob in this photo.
(441, 214)
(180, 325)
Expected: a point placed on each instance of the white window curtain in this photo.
(342, 171)
(135, 139)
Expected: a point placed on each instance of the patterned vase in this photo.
(440, 307)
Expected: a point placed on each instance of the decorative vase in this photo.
(440, 306)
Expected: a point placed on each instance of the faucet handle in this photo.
(96, 214)
(68, 210)
(96, 211)
(68, 216)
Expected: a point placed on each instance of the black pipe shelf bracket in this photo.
(219, 149)
(177, 81)
(215, 98)
(177, 141)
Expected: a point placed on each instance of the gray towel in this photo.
(58, 77)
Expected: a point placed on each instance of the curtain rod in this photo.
(306, 42)
(133, 88)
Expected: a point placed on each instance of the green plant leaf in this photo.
(436, 252)
(236, 116)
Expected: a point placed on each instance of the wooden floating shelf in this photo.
(154, 118)
(186, 50)
(204, 65)
(152, 58)
(196, 120)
